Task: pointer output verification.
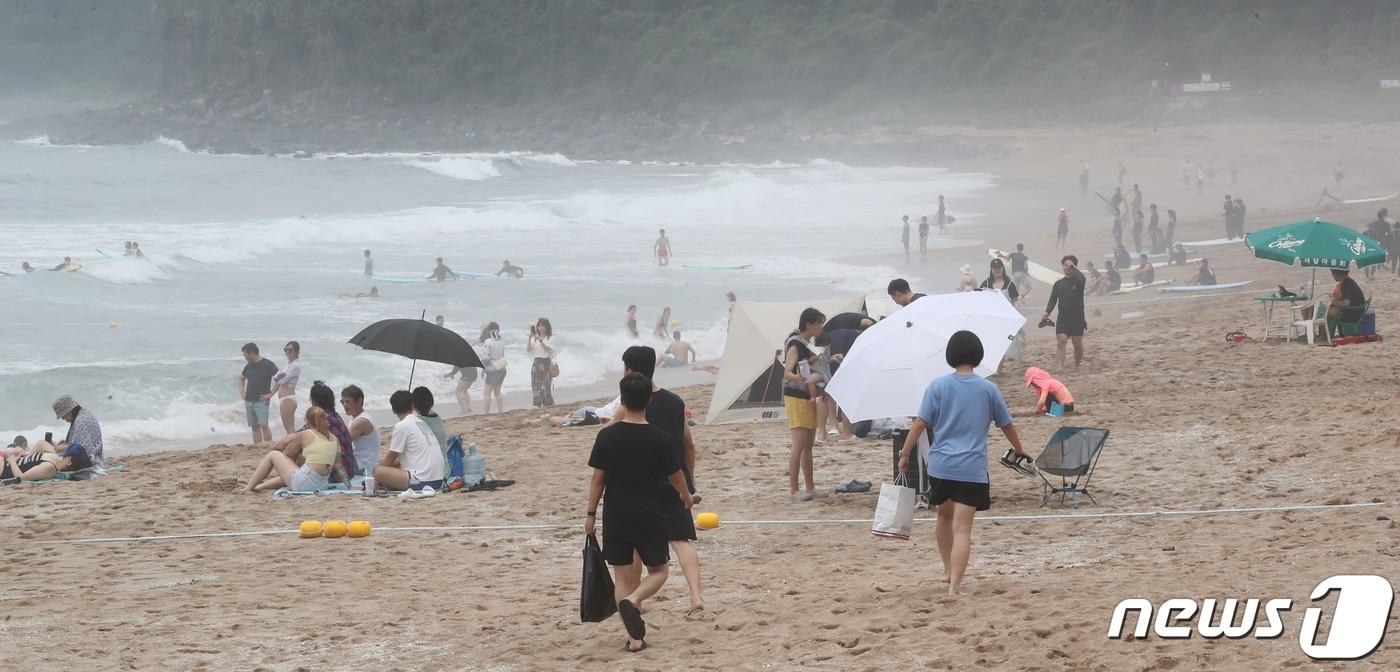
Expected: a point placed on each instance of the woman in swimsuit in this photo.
(631, 322)
(286, 381)
(317, 450)
(44, 463)
(661, 324)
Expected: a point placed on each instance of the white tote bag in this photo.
(894, 513)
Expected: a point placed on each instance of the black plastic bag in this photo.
(595, 602)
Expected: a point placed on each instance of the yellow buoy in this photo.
(335, 529)
(310, 529)
(359, 528)
(112, 324)
(707, 521)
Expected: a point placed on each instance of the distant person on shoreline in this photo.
(630, 322)
(1154, 230)
(1117, 228)
(1120, 257)
(1171, 227)
(510, 270)
(543, 369)
(1205, 275)
(1122, 173)
(369, 265)
(904, 238)
(1137, 230)
(441, 272)
(255, 388)
(966, 281)
(900, 293)
(1068, 295)
(923, 238)
(1135, 198)
(662, 249)
(1338, 175)
(1084, 182)
(494, 372)
(1061, 229)
(1178, 256)
(943, 217)
(1115, 279)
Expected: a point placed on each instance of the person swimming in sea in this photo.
(26, 267)
(441, 272)
(373, 293)
(510, 270)
(67, 265)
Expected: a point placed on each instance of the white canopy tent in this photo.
(749, 385)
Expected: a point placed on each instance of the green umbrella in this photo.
(1317, 244)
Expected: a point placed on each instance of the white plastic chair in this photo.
(1311, 325)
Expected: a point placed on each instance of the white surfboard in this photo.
(1376, 199)
(1135, 288)
(1036, 271)
(1213, 243)
(1205, 288)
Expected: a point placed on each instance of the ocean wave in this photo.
(36, 141)
(460, 167)
(173, 144)
(126, 271)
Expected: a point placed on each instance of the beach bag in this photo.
(553, 369)
(595, 601)
(894, 512)
(456, 458)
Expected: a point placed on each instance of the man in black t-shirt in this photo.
(1347, 300)
(666, 412)
(1020, 269)
(632, 465)
(255, 388)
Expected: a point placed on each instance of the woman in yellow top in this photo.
(317, 450)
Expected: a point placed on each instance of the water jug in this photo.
(475, 466)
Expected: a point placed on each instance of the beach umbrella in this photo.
(1315, 244)
(892, 363)
(418, 339)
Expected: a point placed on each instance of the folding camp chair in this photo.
(1071, 453)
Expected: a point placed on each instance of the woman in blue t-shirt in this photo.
(959, 407)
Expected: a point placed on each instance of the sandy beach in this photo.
(1198, 424)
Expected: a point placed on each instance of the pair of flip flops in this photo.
(636, 628)
(1017, 463)
(854, 485)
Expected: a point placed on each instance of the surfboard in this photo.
(718, 267)
(1164, 264)
(1213, 243)
(109, 255)
(1205, 288)
(1377, 199)
(1036, 271)
(1135, 288)
(397, 278)
(1160, 255)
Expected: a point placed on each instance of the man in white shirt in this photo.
(414, 460)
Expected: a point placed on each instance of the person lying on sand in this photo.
(44, 463)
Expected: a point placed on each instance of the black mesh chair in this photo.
(1071, 454)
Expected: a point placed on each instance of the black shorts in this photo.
(1072, 325)
(653, 550)
(676, 523)
(495, 378)
(978, 495)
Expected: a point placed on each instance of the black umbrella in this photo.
(418, 339)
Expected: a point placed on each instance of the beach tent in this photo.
(750, 382)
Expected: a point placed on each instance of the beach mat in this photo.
(79, 475)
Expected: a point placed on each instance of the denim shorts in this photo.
(257, 412)
(306, 480)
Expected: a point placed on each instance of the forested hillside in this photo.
(865, 62)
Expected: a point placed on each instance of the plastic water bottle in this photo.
(370, 488)
(475, 466)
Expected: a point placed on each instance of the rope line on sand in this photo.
(802, 521)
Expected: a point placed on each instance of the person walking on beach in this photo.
(904, 239)
(1117, 229)
(1135, 198)
(666, 412)
(1154, 229)
(543, 369)
(255, 388)
(1122, 173)
(1020, 269)
(630, 322)
(369, 265)
(662, 249)
(1137, 230)
(1200, 179)
(441, 272)
(958, 408)
(1171, 227)
(286, 381)
(942, 217)
(1338, 175)
(801, 408)
(1068, 295)
(632, 466)
(1084, 182)
(923, 238)
(494, 372)
(1061, 229)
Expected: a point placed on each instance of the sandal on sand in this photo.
(627, 646)
(1018, 464)
(632, 620)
